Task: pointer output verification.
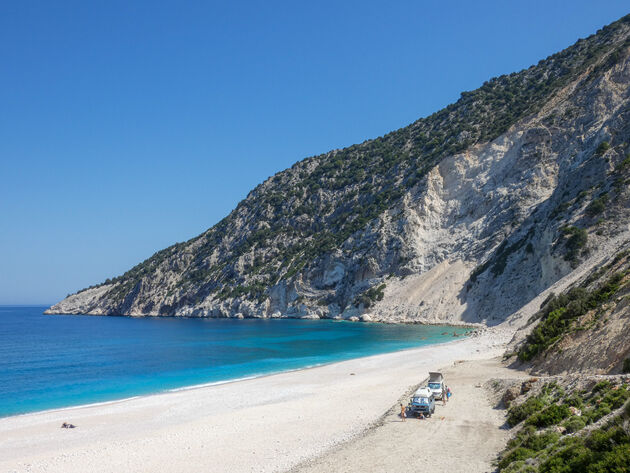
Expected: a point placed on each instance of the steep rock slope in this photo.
(584, 329)
(465, 215)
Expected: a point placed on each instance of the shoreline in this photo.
(192, 387)
(268, 423)
(453, 323)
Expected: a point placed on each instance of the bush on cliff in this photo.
(559, 314)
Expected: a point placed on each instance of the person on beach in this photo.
(402, 413)
(444, 395)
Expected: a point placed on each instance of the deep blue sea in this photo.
(52, 361)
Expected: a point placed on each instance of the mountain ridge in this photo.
(366, 232)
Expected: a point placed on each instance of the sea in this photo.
(57, 361)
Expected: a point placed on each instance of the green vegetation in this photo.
(543, 449)
(605, 450)
(597, 206)
(559, 314)
(551, 415)
(574, 424)
(560, 208)
(576, 239)
(623, 165)
(602, 148)
(523, 411)
(370, 296)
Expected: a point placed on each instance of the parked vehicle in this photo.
(436, 384)
(422, 401)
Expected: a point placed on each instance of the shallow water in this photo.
(52, 361)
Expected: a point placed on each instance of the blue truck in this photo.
(423, 402)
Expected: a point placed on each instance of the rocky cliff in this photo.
(467, 215)
(583, 329)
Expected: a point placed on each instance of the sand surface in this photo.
(266, 424)
(464, 435)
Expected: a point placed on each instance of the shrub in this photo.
(370, 296)
(623, 164)
(552, 415)
(517, 454)
(604, 449)
(519, 466)
(602, 148)
(574, 457)
(596, 207)
(601, 386)
(616, 398)
(617, 459)
(577, 239)
(521, 436)
(593, 415)
(538, 442)
(558, 314)
(521, 412)
(574, 400)
(574, 423)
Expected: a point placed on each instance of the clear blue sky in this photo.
(128, 126)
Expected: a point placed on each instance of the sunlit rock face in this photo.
(463, 216)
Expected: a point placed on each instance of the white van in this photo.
(436, 384)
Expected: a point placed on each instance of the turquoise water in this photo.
(57, 361)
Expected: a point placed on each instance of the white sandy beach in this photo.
(266, 424)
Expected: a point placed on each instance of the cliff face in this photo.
(584, 328)
(463, 216)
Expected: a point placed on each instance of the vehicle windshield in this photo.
(421, 400)
(435, 385)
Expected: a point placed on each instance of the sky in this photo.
(127, 126)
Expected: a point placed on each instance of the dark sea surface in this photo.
(53, 361)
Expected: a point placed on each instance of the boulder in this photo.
(527, 385)
(510, 394)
